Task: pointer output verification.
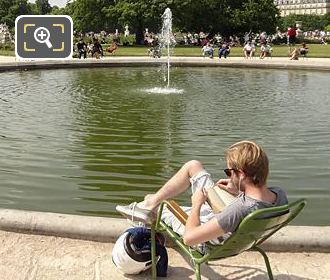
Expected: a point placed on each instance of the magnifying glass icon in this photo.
(41, 35)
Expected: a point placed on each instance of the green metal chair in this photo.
(252, 231)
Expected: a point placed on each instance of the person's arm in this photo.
(196, 233)
(228, 186)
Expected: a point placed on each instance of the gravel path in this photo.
(29, 257)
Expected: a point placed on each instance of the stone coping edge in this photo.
(102, 229)
(175, 62)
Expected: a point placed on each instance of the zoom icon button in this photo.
(39, 36)
(43, 37)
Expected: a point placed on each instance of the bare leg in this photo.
(174, 186)
(143, 211)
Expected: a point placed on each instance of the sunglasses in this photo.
(228, 171)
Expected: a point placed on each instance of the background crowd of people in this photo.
(90, 44)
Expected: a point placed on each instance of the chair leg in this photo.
(269, 269)
(198, 271)
(153, 252)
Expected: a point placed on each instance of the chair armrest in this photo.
(177, 211)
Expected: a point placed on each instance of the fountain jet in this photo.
(167, 40)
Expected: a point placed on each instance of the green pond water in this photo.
(83, 141)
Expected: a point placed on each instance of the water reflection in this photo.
(127, 137)
(81, 141)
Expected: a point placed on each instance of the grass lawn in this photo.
(315, 50)
(7, 53)
(278, 51)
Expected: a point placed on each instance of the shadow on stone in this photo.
(238, 272)
(214, 272)
(177, 272)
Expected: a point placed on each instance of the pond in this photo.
(81, 141)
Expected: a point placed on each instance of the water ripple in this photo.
(82, 141)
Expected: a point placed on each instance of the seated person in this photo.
(294, 55)
(253, 45)
(97, 49)
(208, 50)
(265, 50)
(323, 41)
(82, 48)
(90, 49)
(224, 50)
(248, 50)
(303, 50)
(155, 50)
(112, 49)
(247, 171)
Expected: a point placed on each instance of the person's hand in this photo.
(198, 198)
(227, 185)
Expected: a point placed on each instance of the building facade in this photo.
(303, 7)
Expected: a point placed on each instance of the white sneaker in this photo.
(136, 214)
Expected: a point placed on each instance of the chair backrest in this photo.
(256, 228)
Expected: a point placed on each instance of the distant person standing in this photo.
(82, 48)
(247, 37)
(292, 33)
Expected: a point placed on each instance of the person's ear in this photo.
(241, 175)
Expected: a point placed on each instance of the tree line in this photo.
(226, 17)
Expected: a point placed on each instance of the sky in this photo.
(60, 3)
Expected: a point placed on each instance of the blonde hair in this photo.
(251, 159)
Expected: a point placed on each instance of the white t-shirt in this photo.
(248, 47)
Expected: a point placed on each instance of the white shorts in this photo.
(200, 180)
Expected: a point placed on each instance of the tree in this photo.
(309, 22)
(88, 15)
(144, 14)
(326, 18)
(255, 15)
(43, 7)
(58, 11)
(4, 7)
(12, 9)
(227, 17)
(33, 8)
